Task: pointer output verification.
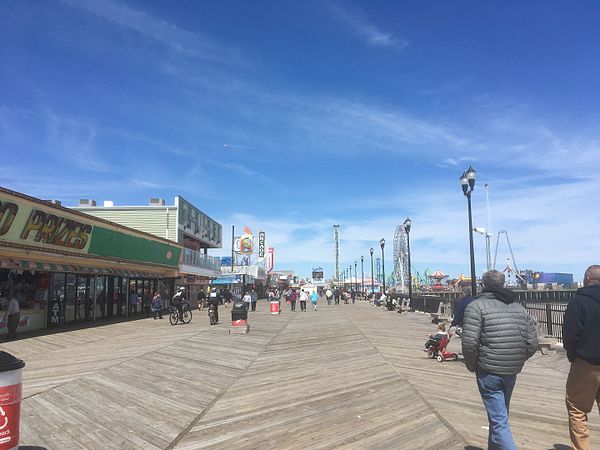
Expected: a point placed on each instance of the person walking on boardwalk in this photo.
(133, 301)
(498, 337)
(459, 313)
(12, 317)
(293, 298)
(336, 295)
(328, 296)
(157, 306)
(313, 299)
(303, 300)
(247, 300)
(581, 337)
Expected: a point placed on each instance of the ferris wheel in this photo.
(401, 269)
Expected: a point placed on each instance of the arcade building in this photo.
(67, 267)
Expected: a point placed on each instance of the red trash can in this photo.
(274, 306)
(11, 369)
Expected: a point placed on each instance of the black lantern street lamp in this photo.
(382, 244)
(467, 181)
(372, 287)
(362, 275)
(407, 224)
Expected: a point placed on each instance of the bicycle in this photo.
(186, 317)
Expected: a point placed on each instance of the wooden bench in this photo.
(404, 305)
(545, 341)
(443, 314)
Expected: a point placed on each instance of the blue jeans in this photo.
(496, 391)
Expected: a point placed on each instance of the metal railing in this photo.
(193, 258)
(548, 314)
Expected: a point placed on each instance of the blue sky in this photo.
(293, 116)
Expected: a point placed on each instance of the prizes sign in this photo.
(27, 225)
(261, 244)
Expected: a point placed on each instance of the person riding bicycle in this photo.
(214, 299)
(178, 300)
(201, 299)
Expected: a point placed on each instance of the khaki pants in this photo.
(583, 388)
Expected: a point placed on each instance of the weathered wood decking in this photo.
(346, 376)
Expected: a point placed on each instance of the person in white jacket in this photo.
(303, 300)
(247, 300)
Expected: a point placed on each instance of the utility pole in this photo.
(488, 234)
(232, 247)
(336, 237)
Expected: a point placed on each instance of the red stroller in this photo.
(437, 348)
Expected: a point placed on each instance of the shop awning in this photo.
(21, 264)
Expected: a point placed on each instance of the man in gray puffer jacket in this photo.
(498, 337)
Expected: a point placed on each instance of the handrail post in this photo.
(549, 318)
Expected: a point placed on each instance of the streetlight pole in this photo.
(355, 278)
(362, 273)
(467, 181)
(372, 286)
(351, 279)
(407, 224)
(382, 244)
(345, 277)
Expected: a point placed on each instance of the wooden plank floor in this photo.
(347, 376)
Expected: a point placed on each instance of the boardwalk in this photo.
(347, 376)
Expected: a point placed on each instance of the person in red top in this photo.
(293, 298)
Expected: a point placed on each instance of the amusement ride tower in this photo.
(401, 269)
(336, 238)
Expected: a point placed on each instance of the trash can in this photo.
(274, 306)
(239, 315)
(11, 369)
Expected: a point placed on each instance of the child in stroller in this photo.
(437, 343)
(434, 344)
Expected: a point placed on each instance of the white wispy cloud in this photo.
(356, 21)
(239, 169)
(184, 42)
(74, 141)
(453, 162)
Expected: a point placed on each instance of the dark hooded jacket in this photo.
(459, 313)
(498, 334)
(581, 326)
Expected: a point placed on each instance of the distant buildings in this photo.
(182, 223)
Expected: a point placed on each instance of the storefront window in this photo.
(166, 291)
(84, 301)
(100, 297)
(31, 289)
(72, 307)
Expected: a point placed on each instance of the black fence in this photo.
(549, 313)
(426, 304)
(549, 317)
